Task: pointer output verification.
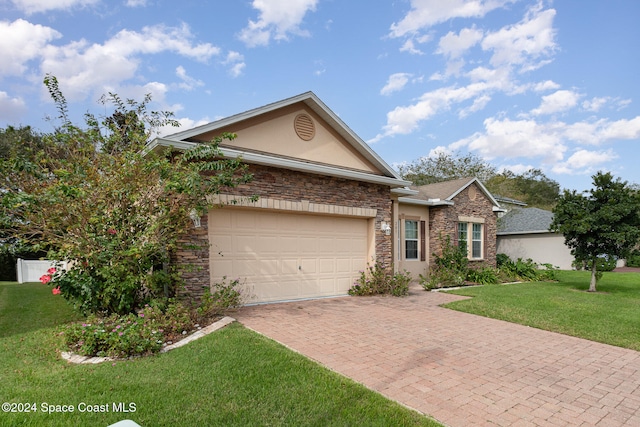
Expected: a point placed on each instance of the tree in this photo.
(603, 223)
(532, 187)
(94, 197)
(445, 167)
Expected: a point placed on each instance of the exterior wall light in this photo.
(386, 228)
(195, 218)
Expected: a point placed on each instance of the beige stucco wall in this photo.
(418, 213)
(542, 248)
(274, 133)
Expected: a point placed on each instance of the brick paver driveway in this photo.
(461, 369)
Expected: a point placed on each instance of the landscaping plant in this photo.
(97, 198)
(377, 280)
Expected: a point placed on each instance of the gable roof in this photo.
(181, 141)
(443, 193)
(525, 221)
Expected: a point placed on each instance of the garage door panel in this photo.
(282, 256)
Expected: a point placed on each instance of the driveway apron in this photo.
(461, 369)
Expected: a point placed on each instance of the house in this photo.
(462, 209)
(524, 233)
(327, 206)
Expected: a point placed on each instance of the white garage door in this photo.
(283, 256)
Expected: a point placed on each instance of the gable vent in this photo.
(303, 124)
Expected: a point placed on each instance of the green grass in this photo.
(233, 377)
(611, 316)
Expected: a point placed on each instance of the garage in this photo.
(285, 256)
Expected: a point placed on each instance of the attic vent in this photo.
(303, 124)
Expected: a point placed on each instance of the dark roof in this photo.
(525, 220)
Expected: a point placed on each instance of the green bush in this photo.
(523, 270)
(440, 277)
(146, 331)
(634, 259)
(378, 280)
(220, 297)
(483, 276)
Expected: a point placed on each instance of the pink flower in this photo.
(45, 279)
(56, 291)
(51, 270)
(112, 231)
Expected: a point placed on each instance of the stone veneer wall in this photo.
(282, 184)
(442, 221)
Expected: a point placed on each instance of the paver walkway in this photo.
(462, 369)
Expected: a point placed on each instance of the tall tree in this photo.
(532, 187)
(604, 222)
(446, 166)
(93, 196)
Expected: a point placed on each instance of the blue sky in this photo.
(521, 83)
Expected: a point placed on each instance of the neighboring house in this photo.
(328, 206)
(462, 209)
(524, 233)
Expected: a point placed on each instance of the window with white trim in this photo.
(471, 238)
(410, 239)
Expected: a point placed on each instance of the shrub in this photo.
(145, 332)
(634, 259)
(523, 270)
(440, 277)
(220, 297)
(483, 276)
(377, 280)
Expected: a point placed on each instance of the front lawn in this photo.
(611, 316)
(231, 377)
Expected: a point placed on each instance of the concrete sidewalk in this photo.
(461, 369)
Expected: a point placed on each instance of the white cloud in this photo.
(236, 63)
(603, 130)
(136, 3)
(185, 123)
(595, 104)
(83, 68)
(524, 43)
(561, 100)
(515, 139)
(454, 45)
(34, 6)
(11, 109)
(545, 86)
(426, 13)
(21, 42)
(584, 162)
(188, 82)
(404, 120)
(395, 83)
(278, 19)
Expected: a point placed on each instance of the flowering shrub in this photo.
(47, 278)
(133, 334)
(377, 279)
(95, 198)
(150, 328)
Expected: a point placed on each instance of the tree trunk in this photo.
(592, 285)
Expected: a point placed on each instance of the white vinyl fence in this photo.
(32, 270)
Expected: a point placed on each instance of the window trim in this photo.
(416, 240)
(465, 235)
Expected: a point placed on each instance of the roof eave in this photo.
(412, 201)
(310, 100)
(279, 162)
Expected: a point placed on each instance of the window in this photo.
(476, 241)
(410, 239)
(470, 237)
(463, 235)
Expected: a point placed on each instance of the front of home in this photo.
(327, 207)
